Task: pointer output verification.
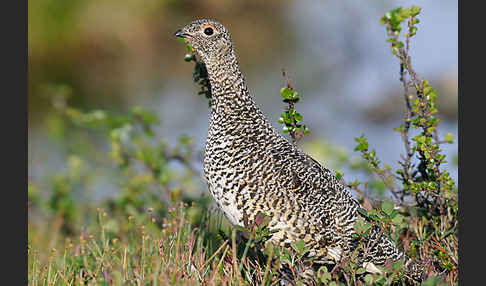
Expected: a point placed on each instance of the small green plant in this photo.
(200, 74)
(425, 220)
(290, 119)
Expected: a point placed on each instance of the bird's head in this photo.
(209, 39)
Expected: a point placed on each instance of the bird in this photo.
(252, 169)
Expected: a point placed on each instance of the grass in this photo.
(139, 250)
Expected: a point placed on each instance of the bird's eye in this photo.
(208, 31)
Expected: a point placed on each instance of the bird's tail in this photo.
(413, 270)
(382, 249)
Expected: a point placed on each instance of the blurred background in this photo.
(114, 55)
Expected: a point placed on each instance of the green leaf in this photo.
(430, 281)
(373, 215)
(398, 219)
(323, 274)
(405, 13)
(360, 271)
(286, 117)
(299, 246)
(188, 57)
(298, 117)
(387, 207)
(368, 279)
(339, 174)
(415, 10)
(306, 130)
(361, 226)
(363, 144)
(188, 47)
(362, 211)
(397, 265)
(413, 30)
(286, 93)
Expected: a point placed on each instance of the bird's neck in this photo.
(234, 114)
(231, 102)
(230, 96)
(228, 87)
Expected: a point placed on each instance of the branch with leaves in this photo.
(200, 74)
(424, 182)
(290, 119)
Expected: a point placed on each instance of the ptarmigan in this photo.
(250, 168)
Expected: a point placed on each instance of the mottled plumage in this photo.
(251, 168)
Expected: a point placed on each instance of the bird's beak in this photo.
(180, 34)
